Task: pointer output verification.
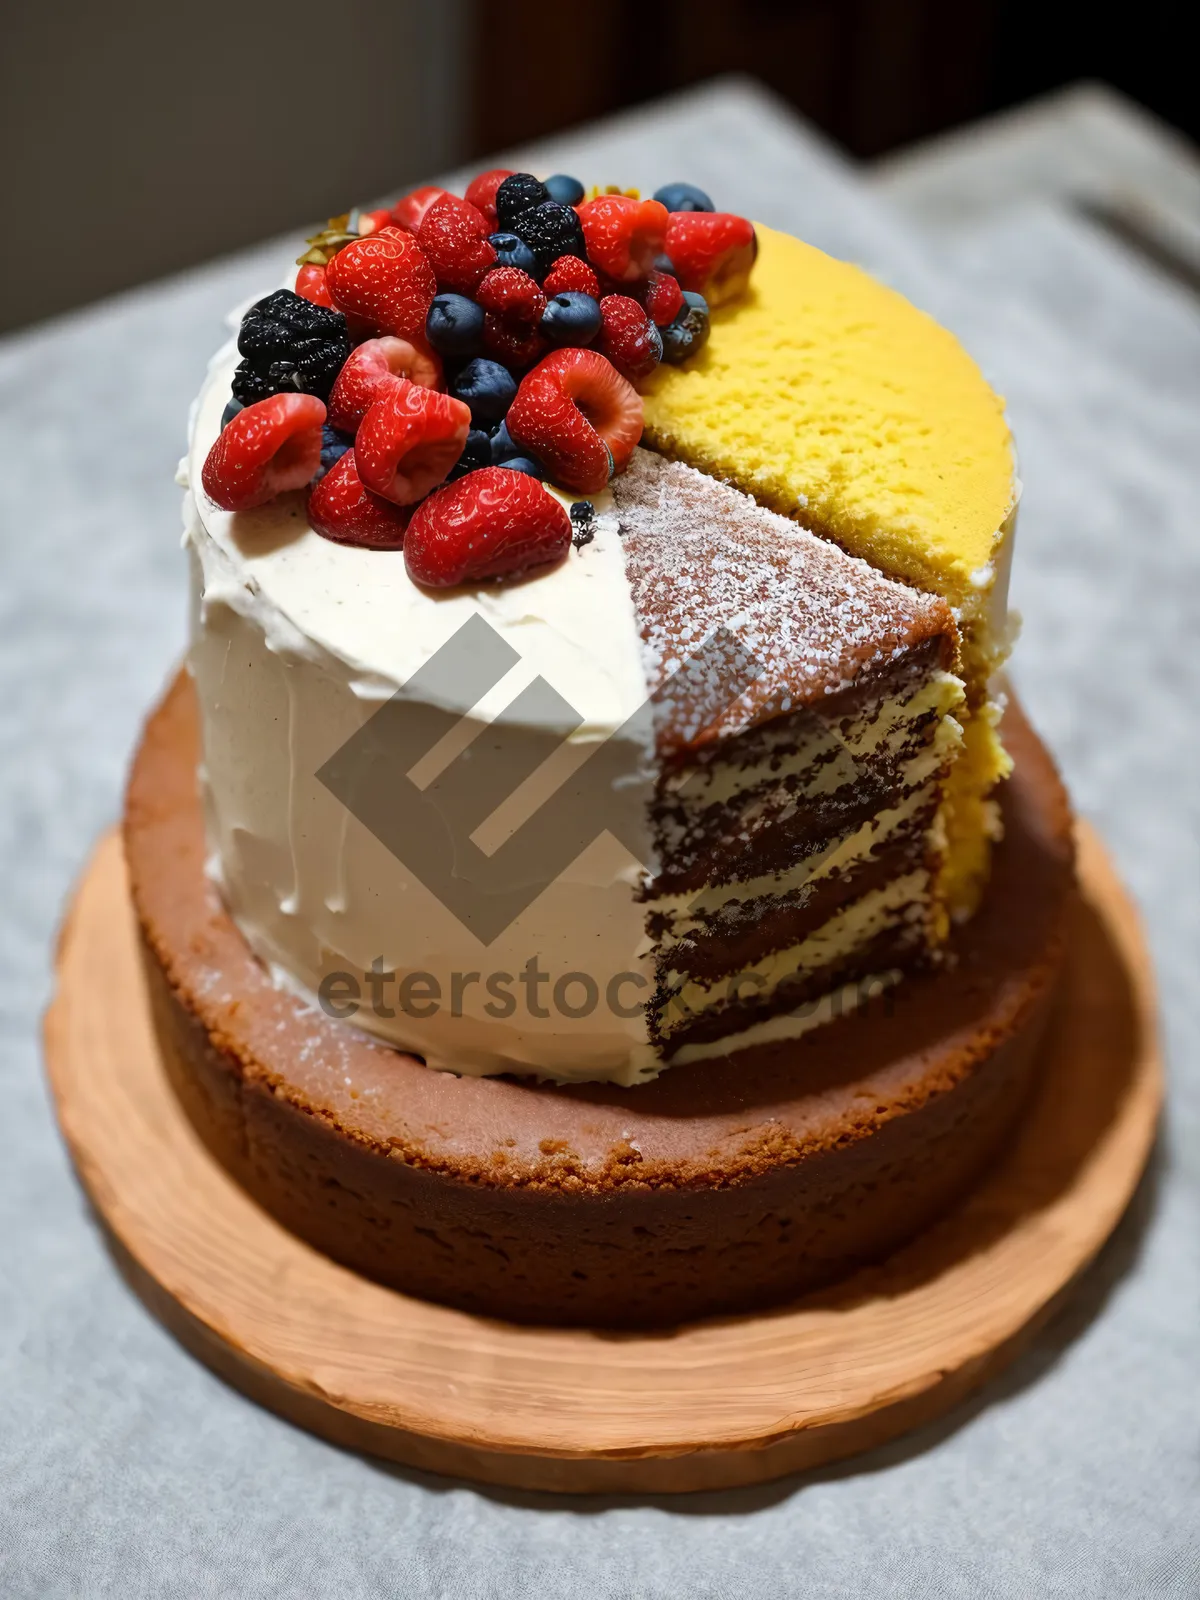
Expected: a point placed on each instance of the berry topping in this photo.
(365, 222)
(571, 318)
(512, 295)
(486, 387)
(454, 235)
(628, 337)
(623, 235)
(384, 279)
(374, 367)
(688, 334)
(566, 190)
(515, 196)
(661, 296)
(512, 251)
(410, 211)
(502, 445)
(576, 413)
(551, 230)
(513, 344)
(570, 275)
(583, 514)
(713, 252)
(270, 446)
(683, 197)
(232, 407)
(334, 445)
(525, 464)
(481, 193)
(663, 263)
(341, 508)
(454, 325)
(311, 285)
(289, 345)
(476, 453)
(491, 524)
(409, 440)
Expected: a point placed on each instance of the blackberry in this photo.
(517, 195)
(583, 514)
(289, 343)
(551, 230)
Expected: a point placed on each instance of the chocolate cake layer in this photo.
(730, 1183)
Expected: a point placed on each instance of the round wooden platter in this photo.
(710, 1405)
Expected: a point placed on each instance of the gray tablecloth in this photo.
(128, 1469)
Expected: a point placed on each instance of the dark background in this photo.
(141, 138)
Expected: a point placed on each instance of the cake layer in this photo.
(739, 1183)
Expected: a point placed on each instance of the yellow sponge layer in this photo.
(832, 399)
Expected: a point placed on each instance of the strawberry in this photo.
(628, 337)
(386, 280)
(409, 211)
(370, 369)
(576, 413)
(712, 252)
(513, 344)
(512, 295)
(570, 275)
(454, 235)
(341, 508)
(623, 235)
(493, 523)
(311, 285)
(481, 193)
(662, 297)
(409, 440)
(268, 447)
(371, 221)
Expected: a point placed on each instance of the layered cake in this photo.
(566, 870)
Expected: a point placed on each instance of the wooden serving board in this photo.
(713, 1404)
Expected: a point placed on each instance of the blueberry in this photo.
(476, 453)
(503, 445)
(571, 318)
(683, 197)
(567, 191)
(454, 325)
(551, 230)
(487, 387)
(525, 464)
(232, 407)
(688, 334)
(663, 263)
(513, 252)
(334, 445)
(516, 195)
(583, 515)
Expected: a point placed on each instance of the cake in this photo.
(565, 871)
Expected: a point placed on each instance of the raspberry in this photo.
(661, 296)
(551, 230)
(623, 235)
(570, 275)
(712, 251)
(454, 235)
(409, 211)
(513, 344)
(576, 413)
(519, 193)
(289, 345)
(512, 295)
(409, 440)
(386, 280)
(628, 337)
(493, 523)
(374, 367)
(311, 285)
(341, 508)
(481, 192)
(266, 448)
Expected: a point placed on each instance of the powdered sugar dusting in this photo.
(702, 557)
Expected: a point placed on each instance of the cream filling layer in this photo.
(793, 1024)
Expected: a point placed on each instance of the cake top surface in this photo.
(828, 396)
(703, 557)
